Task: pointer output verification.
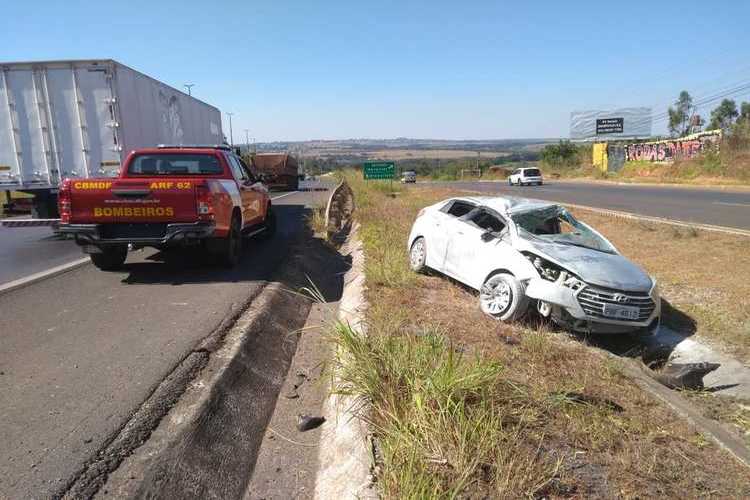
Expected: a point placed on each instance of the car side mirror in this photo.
(488, 236)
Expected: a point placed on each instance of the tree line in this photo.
(684, 118)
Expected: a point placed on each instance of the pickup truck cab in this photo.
(168, 196)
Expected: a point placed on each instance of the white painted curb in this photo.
(43, 275)
(344, 456)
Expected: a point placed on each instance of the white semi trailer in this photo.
(79, 119)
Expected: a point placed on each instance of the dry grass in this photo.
(464, 406)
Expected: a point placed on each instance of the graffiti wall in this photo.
(673, 149)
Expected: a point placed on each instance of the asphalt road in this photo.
(28, 250)
(705, 206)
(82, 350)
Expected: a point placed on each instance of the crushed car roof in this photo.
(509, 204)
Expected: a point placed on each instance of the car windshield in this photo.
(175, 164)
(556, 225)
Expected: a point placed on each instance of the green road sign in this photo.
(379, 170)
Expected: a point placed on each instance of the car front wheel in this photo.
(418, 256)
(503, 297)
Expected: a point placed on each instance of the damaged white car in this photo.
(520, 253)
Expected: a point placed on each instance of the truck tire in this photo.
(270, 225)
(111, 258)
(231, 247)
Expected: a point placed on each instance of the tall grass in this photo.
(446, 423)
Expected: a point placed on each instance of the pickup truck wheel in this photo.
(111, 258)
(270, 225)
(503, 297)
(232, 251)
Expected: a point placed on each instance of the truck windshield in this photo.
(175, 164)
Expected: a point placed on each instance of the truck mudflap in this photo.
(138, 234)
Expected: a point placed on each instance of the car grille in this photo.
(592, 300)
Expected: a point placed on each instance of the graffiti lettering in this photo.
(669, 151)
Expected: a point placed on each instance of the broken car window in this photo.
(485, 221)
(459, 208)
(556, 225)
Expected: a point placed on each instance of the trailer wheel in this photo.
(111, 258)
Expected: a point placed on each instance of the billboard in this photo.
(626, 123)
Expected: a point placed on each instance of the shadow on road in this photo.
(189, 265)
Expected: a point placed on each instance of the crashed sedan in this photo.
(521, 253)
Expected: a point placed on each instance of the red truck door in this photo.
(253, 198)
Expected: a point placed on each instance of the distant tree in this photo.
(680, 115)
(565, 153)
(744, 112)
(723, 116)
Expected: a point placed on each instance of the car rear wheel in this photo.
(418, 256)
(111, 258)
(232, 245)
(503, 297)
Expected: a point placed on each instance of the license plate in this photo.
(621, 312)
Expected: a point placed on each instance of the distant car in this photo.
(519, 253)
(525, 176)
(409, 177)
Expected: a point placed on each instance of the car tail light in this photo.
(63, 202)
(204, 202)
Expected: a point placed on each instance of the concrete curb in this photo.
(345, 460)
(726, 440)
(205, 446)
(43, 275)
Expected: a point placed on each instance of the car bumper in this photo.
(98, 234)
(565, 307)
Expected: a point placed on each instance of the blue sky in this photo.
(296, 70)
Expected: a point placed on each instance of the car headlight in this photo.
(553, 272)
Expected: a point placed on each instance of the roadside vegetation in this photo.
(464, 406)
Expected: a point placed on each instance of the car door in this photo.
(251, 206)
(443, 225)
(473, 247)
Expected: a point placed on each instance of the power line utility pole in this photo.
(247, 140)
(231, 132)
(189, 86)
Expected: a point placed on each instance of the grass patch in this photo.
(464, 406)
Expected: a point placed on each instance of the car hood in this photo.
(596, 268)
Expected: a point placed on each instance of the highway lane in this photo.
(82, 350)
(721, 207)
(29, 250)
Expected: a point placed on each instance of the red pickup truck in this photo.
(166, 196)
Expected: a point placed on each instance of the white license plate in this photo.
(621, 312)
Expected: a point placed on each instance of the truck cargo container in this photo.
(80, 119)
(280, 170)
